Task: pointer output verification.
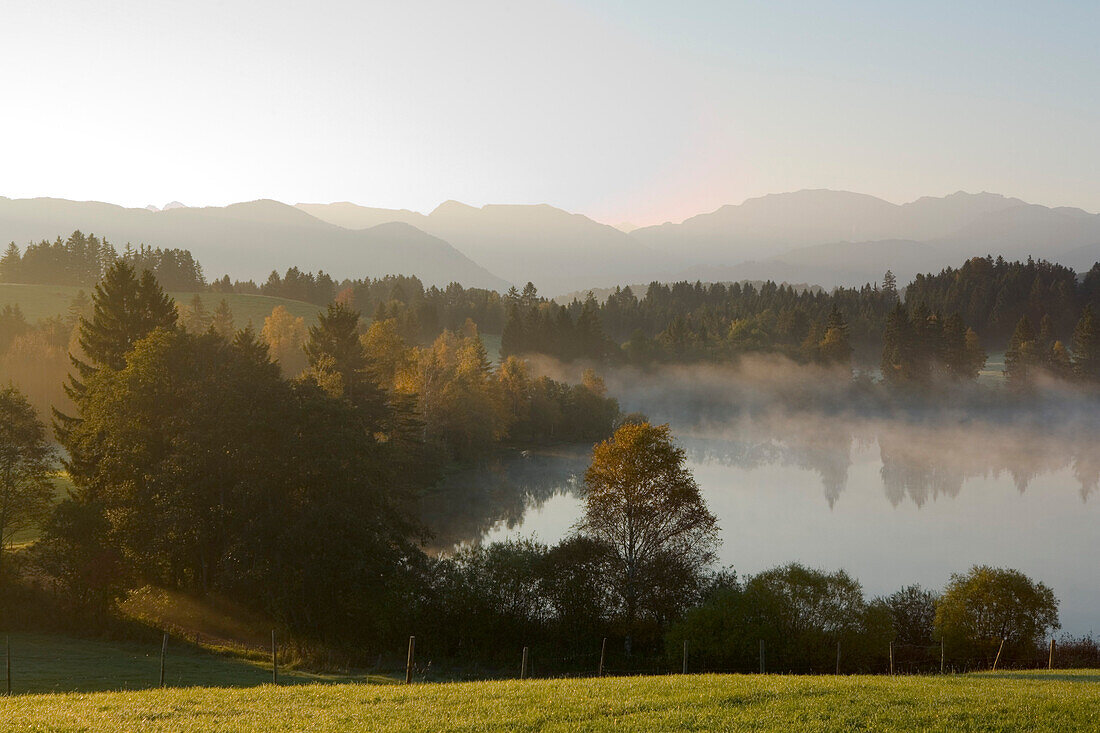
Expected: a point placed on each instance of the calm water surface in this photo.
(891, 502)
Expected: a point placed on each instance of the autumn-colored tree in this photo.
(386, 352)
(285, 335)
(643, 502)
(461, 403)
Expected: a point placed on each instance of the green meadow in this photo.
(1013, 701)
(43, 301)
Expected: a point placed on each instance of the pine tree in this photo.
(222, 322)
(124, 311)
(513, 340)
(1086, 347)
(836, 346)
(196, 318)
(1020, 357)
(890, 288)
(338, 361)
(897, 345)
(10, 270)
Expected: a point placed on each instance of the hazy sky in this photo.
(633, 110)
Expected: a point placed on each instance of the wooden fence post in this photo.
(163, 652)
(274, 660)
(941, 655)
(761, 656)
(7, 657)
(998, 657)
(891, 659)
(603, 654)
(838, 656)
(523, 665)
(1050, 659)
(685, 656)
(409, 661)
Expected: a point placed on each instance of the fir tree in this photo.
(836, 346)
(1086, 347)
(10, 269)
(222, 322)
(125, 310)
(1020, 357)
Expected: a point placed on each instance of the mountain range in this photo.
(821, 237)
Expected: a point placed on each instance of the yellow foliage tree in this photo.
(285, 335)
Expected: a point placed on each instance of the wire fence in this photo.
(896, 660)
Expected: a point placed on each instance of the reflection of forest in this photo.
(921, 461)
(468, 503)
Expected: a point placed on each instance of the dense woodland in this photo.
(976, 307)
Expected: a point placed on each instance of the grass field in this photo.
(43, 301)
(987, 702)
(50, 663)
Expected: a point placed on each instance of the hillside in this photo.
(249, 240)
(43, 301)
(1004, 702)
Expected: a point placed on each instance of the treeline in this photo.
(420, 313)
(83, 259)
(198, 465)
(696, 322)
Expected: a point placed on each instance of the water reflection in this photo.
(499, 493)
(919, 463)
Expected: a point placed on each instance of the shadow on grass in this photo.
(47, 663)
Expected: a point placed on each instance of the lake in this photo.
(893, 502)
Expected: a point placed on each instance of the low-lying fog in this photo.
(801, 466)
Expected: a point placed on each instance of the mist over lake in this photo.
(892, 496)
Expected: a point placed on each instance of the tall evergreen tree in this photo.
(125, 309)
(897, 346)
(10, 265)
(1086, 347)
(337, 360)
(836, 346)
(222, 321)
(1020, 356)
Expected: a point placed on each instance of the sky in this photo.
(628, 111)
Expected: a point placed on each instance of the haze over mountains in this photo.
(249, 240)
(813, 236)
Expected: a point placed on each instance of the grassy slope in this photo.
(48, 663)
(1001, 702)
(43, 301)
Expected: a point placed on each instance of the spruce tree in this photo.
(125, 309)
(897, 346)
(10, 269)
(1086, 347)
(836, 346)
(1020, 355)
(338, 362)
(222, 322)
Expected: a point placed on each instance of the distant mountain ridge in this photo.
(556, 249)
(248, 240)
(821, 237)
